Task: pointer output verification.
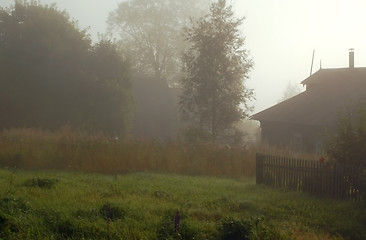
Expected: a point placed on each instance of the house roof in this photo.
(327, 91)
(336, 74)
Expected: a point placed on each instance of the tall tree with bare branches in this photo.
(151, 31)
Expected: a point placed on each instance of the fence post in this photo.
(259, 168)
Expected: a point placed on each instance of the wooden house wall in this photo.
(293, 136)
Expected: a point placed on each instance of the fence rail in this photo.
(319, 178)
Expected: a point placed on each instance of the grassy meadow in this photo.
(66, 185)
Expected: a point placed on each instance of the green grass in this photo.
(212, 187)
(142, 206)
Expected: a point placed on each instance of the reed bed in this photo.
(78, 151)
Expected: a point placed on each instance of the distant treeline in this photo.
(51, 75)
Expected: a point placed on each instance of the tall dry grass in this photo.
(77, 151)
(264, 148)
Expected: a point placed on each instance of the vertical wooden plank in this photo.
(259, 168)
(267, 161)
(337, 181)
(285, 171)
(299, 177)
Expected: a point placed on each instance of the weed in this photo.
(111, 212)
(262, 230)
(161, 195)
(174, 226)
(7, 226)
(251, 229)
(11, 205)
(91, 215)
(40, 182)
(233, 229)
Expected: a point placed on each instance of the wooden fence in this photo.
(319, 178)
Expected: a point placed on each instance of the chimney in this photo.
(351, 58)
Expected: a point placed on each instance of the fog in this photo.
(280, 35)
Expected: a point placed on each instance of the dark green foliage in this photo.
(232, 229)
(62, 226)
(111, 212)
(3, 222)
(40, 182)
(7, 226)
(215, 67)
(252, 229)
(363, 185)
(65, 229)
(170, 229)
(92, 215)
(9, 208)
(348, 144)
(10, 205)
(262, 230)
(51, 75)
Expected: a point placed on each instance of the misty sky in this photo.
(280, 36)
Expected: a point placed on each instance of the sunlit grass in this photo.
(72, 207)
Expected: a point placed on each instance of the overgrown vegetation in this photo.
(79, 151)
(348, 143)
(43, 204)
(40, 182)
(144, 206)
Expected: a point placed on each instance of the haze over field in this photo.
(280, 35)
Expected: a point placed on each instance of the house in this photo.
(301, 121)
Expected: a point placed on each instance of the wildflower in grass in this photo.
(177, 221)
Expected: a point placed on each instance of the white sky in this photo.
(280, 35)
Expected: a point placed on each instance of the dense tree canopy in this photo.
(150, 33)
(51, 75)
(215, 67)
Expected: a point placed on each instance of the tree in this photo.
(215, 67)
(291, 90)
(51, 75)
(111, 95)
(348, 144)
(151, 31)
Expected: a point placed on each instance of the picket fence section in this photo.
(319, 178)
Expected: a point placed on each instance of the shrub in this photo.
(232, 229)
(10, 204)
(7, 227)
(348, 143)
(252, 229)
(262, 230)
(40, 182)
(112, 213)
